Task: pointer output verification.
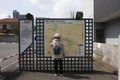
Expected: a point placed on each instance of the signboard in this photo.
(72, 34)
(25, 34)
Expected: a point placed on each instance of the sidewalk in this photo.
(99, 74)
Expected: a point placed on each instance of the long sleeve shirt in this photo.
(60, 43)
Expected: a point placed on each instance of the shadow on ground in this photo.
(101, 72)
(78, 75)
(10, 75)
(14, 75)
(75, 76)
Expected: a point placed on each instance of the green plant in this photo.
(15, 30)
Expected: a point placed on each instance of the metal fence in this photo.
(31, 61)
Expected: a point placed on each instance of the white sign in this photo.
(25, 34)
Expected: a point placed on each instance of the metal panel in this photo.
(26, 58)
(71, 63)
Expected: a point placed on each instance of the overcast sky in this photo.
(47, 8)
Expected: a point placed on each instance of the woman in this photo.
(58, 53)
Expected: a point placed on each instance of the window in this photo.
(4, 27)
(100, 36)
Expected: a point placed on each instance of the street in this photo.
(7, 50)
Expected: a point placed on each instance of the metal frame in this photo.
(73, 63)
(26, 59)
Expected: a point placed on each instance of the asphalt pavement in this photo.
(99, 73)
(7, 49)
(8, 54)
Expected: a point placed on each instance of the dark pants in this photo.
(58, 66)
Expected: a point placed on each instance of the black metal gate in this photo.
(39, 62)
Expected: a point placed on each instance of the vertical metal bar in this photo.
(0, 68)
(33, 66)
(119, 59)
(19, 57)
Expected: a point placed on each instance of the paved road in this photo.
(8, 49)
(6, 63)
(99, 73)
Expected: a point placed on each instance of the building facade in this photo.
(17, 15)
(8, 24)
(107, 21)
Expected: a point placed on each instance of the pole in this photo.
(0, 68)
(119, 59)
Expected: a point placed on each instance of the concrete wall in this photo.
(107, 16)
(112, 31)
(106, 9)
(107, 54)
(99, 25)
(8, 38)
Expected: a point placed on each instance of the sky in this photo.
(47, 8)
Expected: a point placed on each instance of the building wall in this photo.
(99, 25)
(106, 9)
(112, 31)
(9, 26)
(1, 26)
(107, 54)
(108, 12)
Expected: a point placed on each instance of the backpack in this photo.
(57, 50)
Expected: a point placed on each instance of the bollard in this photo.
(0, 68)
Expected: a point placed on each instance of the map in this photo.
(71, 32)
